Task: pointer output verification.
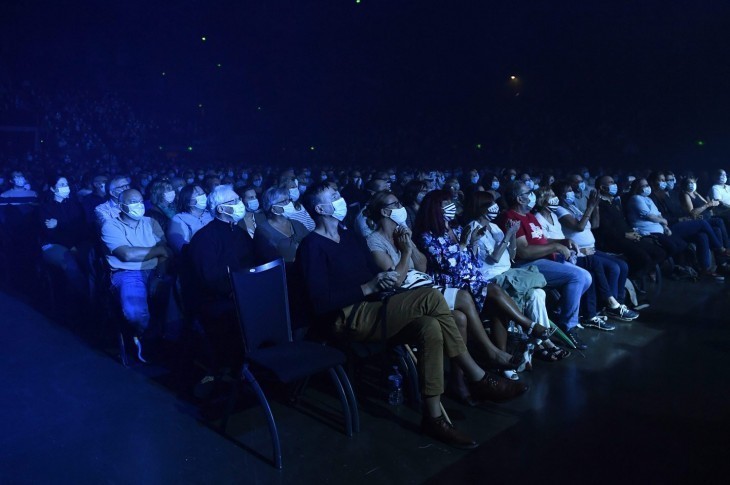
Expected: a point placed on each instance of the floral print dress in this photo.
(451, 267)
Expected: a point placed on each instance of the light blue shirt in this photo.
(638, 209)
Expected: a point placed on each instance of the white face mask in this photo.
(646, 191)
(63, 192)
(134, 211)
(399, 215)
(449, 212)
(288, 209)
(691, 186)
(252, 205)
(238, 210)
(201, 201)
(339, 207)
(170, 197)
(492, 212)
(294, 194)
(475, 179)
(531, 200)
(570, 197)
(553, 203)
(495, 185)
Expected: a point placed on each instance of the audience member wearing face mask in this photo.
(413, 194)
(191, 216)
(646, 219)
(299, 213)
(254, 216)
(720, 191)
(97, 196)
(580, 191)
(137, 254)
(615, 235)
(697, 207)
(62, 239)
(279, 234)
(609, 272)
(496, 250)
(339, 284)
(161, 205)
(219, 245)
(451, 252)
(549, 255)
(110, 209)
(697, 231)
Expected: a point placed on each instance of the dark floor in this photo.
(649, 402)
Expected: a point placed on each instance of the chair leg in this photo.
(123, 350)
(410, 360)
(343, 400)
(354, 413)
(248, 377)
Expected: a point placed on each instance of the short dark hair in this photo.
(312, 196)
(513, 191)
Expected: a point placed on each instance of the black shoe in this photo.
(575, 339)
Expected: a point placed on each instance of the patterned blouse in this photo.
(453, 268)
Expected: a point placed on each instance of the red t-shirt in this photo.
(529, 227)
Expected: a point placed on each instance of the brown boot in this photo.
(496, 389)
(440, 429)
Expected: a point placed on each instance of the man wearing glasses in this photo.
(110, 209)
(549, 255)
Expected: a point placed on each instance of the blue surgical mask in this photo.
(692, 186)
(662, 186)
(671, 183)
(646, 191)
(529, 184)
(581, 186)
(570, 197)
(475, 179)
(613, 189)
(723, 179)
(495, 185)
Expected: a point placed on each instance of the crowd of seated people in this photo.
(487, 243)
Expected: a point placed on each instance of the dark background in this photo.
(388, 81)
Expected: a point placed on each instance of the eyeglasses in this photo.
(395, 204)
(232, 202)
(528, 192)
(282, 202)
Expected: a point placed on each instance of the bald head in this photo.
(130, 196)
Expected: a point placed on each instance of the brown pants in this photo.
(421, 315)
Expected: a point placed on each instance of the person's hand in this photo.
(51, 223)
(570, 244)
(713, 203)
(593, 198)
(403, 229)
(384, 281)
(477, 235)
(563, 250)
(465, 236)
(633, 236)
(667, 231)
(402, 241)
(512, 228)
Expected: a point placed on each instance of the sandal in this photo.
(510, 374)
(553, 354)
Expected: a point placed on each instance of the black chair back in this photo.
(262, 305)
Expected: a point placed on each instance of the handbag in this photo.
(416, 279)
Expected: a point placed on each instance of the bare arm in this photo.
(534, 251)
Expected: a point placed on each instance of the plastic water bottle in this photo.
(395, 387)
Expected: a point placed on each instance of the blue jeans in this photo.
(718, 225)
(701, 234)
(132, 289)
(609, 280)
(571, 281)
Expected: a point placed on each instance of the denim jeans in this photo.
(701, 234)
(609, 280)
(68, 262)
(571, 281)
(132, 289)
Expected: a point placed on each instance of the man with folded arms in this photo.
(342, 288)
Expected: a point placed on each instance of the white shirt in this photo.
(552, 228)
(721, 193)
(144, 233)
(485, 248)
(584, 238)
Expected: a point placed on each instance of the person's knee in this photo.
(460, 320)
(430, 331)
(137, 314)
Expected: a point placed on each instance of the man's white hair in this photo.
(220, 195)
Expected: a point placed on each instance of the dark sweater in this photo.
(611, 233)
(71, 228)
(212, 250)
(333, 272)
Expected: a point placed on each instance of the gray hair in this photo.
(219, 195)
(271, 196)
